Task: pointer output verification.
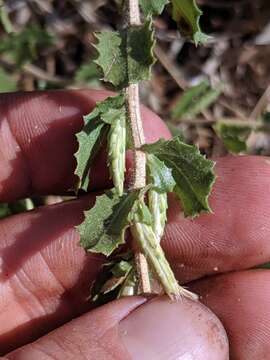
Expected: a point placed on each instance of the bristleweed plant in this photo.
(125, 58)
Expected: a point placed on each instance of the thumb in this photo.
(132, 328)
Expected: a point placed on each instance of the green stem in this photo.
(150, 246)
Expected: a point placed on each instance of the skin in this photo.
(45, 275)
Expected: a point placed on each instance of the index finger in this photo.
(37, 141)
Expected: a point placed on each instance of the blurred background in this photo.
(214, 96)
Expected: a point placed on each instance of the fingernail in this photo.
(166, 330)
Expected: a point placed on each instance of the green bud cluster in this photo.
(150, 247)
(158, 205)
(117, 153)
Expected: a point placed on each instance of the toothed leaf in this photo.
(192, 173)
(125, 57)
(121, 268)
(92, 136)
(153, 7)
(103, 229)
(159, 174)
(113, 279)
(187, 15)
(90, 140)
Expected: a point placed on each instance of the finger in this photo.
(242, 302)
(45, 277)
(125, 330)
(40, 252)
(236, 235)
(37, 141)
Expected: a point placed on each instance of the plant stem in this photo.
(139, 179)
(133, 101)
(134, 13)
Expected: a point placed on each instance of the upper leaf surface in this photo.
(192, 173)
(90, 139)
(159, 174)
(92, 135)
(112, 56)
(153, 7)
(187, 15)
(103, 229)
(125, 57)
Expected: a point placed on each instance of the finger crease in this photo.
(20, 286)
(29, 185)
(58, 281)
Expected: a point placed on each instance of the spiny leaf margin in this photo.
(153, 7)
(125, 57)
(104, 226)
(192, 172)
(189, 12)
(92, 136)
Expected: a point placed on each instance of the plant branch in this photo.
(139, 179)
(133, 101)
(134, 13)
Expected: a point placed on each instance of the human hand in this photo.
(45, 275)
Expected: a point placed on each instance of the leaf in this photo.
(113, 115)
(103, 229)
(187, 15)
(159, 174)
(112, 279)
(111, 57)
(192, 173)
(195, 100)
(119, 273)
(153, 7)
(233, 135)
(129, 286)
(90, 140)
(125, 57)
(92, 136)
(122, 268)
